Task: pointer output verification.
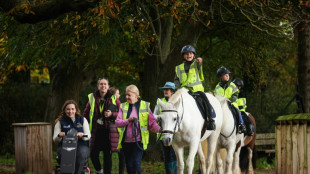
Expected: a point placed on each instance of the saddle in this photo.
(234, 112)
(203, 104)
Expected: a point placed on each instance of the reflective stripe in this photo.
(143, 128)
(233, 87)
(143, 110)
(193, 84)
(179, 73)
(91, 98)
(181, 70)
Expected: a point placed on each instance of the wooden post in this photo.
(293, 141)
(33, 147)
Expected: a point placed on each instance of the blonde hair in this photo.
(133, 88)
(63, 110)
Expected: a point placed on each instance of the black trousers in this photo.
(102, 143)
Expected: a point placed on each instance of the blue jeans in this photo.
(133, 157)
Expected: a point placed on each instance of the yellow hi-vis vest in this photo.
(193, 80)
(159, 112)
(228, 92)
(143, 122)
(92, 101)
(241, 104)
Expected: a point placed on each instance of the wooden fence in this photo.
(33, 147)
(293, 144)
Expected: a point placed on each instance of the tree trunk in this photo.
(67, 81)
(304, 65)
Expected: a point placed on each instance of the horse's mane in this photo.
(175, 97)
(221, 99)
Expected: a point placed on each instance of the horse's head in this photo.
(170, 120)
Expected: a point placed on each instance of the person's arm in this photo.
(153, 126)
(155, 112)
(177, 82)
(119, 120)
(86, 111)
(234, 97)
(86, 130)
(57, 130)
(118, 104)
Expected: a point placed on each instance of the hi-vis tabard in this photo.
(228, 92)
(143, 122)
(92, 102)
(159, 112)
(241, 104)
(192, 80)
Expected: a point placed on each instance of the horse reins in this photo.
(134, 133)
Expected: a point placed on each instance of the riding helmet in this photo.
(238, 82)
(222, 71)
(188, 48)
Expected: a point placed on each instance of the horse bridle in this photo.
(178, 120)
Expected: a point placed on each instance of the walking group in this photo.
(109, 126)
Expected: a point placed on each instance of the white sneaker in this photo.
(100, 171)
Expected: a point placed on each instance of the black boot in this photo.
(211, 124)
(250, 130)
(241, 129)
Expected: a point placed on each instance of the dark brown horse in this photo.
(247, 154)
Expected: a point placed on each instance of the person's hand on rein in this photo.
(130, 119)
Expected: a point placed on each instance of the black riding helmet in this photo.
(238, 82)
(222, 71)
(188, 48)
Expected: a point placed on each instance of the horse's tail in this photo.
(244, 158)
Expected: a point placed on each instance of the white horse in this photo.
(182, 125)
(230, 140)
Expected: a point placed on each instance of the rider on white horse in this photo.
(228, 89)
(189, 75)
(170, 159)
(241, 101)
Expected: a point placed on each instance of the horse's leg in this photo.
(179, 152)
(236, 166)
(229, 157)
(202, 161)
(219, 161)
(212, 143)
(250, 169)
(193, 148)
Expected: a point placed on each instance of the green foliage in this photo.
(262, 164)
(16, 107)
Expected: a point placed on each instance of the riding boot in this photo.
(241, 127)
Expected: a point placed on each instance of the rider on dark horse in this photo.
(241, 101)
(189, 75)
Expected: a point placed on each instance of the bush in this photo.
(19, 103)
